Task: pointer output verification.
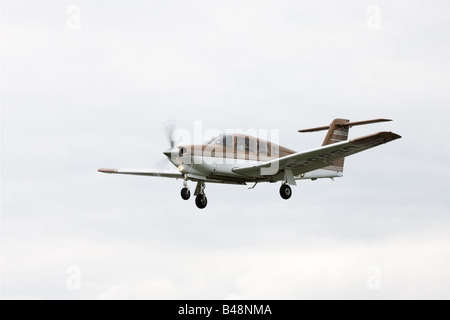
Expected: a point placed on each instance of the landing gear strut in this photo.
(285, 191)
(185, 193)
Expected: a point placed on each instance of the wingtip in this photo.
(389, 135)
(392, 135)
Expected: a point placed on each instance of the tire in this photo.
(285, 191)
(185, 193)
(201, 201)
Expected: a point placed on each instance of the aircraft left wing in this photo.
(145, 172)
(166, 174)
(303, 162)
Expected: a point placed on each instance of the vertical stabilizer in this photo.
(336, 133)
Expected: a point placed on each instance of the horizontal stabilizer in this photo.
(348, 124)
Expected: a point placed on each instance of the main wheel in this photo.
(285, 191)
(185, 193)
(201, 201)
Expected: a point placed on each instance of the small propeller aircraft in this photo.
(241, 159)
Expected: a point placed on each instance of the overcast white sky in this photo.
(90, 84)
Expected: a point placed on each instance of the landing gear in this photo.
(201, 201)
(185, 193)
(285, 191)
(199, 193)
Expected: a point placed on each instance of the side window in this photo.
(247, 144)
(262, 148)
(251, 145)
(227, 141)
(241, 143)
(275, 150)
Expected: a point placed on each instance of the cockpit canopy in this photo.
(241, 143)
(225, 140)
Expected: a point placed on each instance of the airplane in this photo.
(240, 159)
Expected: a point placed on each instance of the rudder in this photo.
(336, 132)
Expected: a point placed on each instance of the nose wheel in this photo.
(185, 193)
(285, 191)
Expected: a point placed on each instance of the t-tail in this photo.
(338, 132)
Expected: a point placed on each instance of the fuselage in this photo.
(217, 158)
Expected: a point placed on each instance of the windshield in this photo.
(215, 140)
(222, 140)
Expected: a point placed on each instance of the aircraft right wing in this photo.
(303, 162)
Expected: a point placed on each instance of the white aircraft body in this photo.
(241, 159)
